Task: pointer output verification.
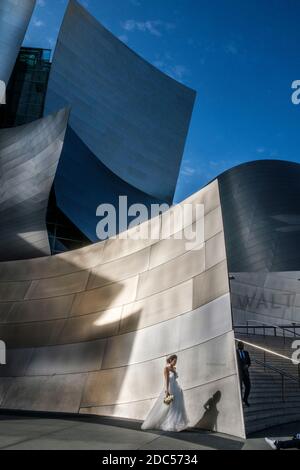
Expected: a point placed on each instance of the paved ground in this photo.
(90, 433)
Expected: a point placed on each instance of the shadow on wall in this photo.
(91, 185)
(55, 339)
(76, 328)
(30, 242)
(209, 419)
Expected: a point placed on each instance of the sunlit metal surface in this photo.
(29, 156)
(89, 331)
(130, 115)
(14, 19)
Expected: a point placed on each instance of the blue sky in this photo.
(241, 56)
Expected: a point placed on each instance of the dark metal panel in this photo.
(261, 211)
(83, 183)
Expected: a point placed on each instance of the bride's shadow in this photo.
(205, 431)
(209, 419)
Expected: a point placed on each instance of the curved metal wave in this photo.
(14, 19)
(29, 156)
(130, 115)
(89, 331)
(261, 210)
(82, 183)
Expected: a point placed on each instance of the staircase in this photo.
(275, 396)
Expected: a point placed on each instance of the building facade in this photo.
(127, 112)
(26, 90)
(79, 326)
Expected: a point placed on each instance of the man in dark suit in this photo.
(244, 362)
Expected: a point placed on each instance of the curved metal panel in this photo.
(82, 183)
(87, 320)
(14, 19)
(29, 156)
(130, 115)
(261, 210)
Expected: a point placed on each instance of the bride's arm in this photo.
(166, 375)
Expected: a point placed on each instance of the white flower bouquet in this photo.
(168, 399)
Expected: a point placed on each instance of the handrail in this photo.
(295, 362)
(276, 326)
(282, 373)
(266, 325)
(275, 369)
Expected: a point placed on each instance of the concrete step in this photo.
(256, 398)
(264, 423)
(267, 408)
(268, 413)
(287, 383)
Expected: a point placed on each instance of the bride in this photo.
(168, 417)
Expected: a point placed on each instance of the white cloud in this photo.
(38, 23)
(267, 152)
(166, 64)
(178, 71)
(124, 38)
(231, 48)
(51, 42)
(154, 27)
(188, 171)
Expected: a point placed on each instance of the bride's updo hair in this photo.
(171, 358)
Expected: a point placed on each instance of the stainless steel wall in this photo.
(130, 115)
(29, 156)
(82, 183)
(89, 331)
(14, 19)
(261, 211)
(270, 298)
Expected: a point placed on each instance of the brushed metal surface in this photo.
(130, 115)
(15, 16)
(29, 157)
(97, 324)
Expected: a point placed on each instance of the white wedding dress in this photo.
(171, 417)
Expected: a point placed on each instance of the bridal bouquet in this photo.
(168, 400)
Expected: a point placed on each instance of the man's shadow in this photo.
(210, 418)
